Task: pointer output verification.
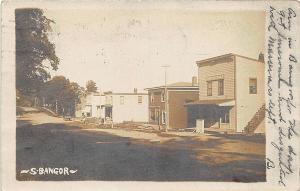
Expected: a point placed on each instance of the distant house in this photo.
(116, 107)
(121, 107)
(171, 113)
(231, 94)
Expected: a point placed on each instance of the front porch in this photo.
(218, 115)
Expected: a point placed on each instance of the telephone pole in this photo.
(56, 108)
(43, 101)
(166, 99)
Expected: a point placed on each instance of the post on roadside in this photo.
(56, 108)
(166, 99)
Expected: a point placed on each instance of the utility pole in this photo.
(35, 101)
(166, 99)
(74, 112)
(56, 109)
(43, 101)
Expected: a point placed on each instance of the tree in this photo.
(61, 93)
(33, 48)
(91, 86)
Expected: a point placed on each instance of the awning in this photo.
(218, 102)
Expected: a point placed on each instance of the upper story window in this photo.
(252, 86)
(140, 99)
(122, 100)
(209, 88)
(152, 97)
(221, 87)
(163, 96)
(108, 100)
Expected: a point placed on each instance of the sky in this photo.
(122, 49)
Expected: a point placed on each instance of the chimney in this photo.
(194, 81)
(135, 90)
(261, 57)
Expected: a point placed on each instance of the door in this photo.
(225, 118)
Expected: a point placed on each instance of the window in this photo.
(121, 100)
(221, 87)
(157, 117)
(252, 86)
(209, 88)
(108, 100)
(140, 99)
(152, 115)
(152, 98)
(162, 97)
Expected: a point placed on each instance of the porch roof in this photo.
(219, 102)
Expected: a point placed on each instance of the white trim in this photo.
(153, 106)
(228, 103)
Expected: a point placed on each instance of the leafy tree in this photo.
(61, 92)
(76, 89)
(33, 49)
(91, 86)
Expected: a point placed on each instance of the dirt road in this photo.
(35, 117)
(116, 154)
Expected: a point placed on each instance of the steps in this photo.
(256, 120)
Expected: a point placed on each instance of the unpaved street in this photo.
(118, 154)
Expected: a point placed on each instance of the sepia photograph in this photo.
(153, 95)
(140, 95)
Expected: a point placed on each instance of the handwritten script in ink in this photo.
(282, 60)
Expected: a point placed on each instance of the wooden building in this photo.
(166, 104)
(231, 94)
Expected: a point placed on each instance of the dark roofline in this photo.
(224, 56)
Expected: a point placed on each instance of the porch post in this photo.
(229, 119)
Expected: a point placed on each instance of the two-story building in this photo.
(231, 94)
(166, 104)
(116, 107)
(121, 107)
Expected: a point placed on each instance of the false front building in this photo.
(166, 104)
(231, 94)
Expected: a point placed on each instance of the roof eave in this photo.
(172, 87)
(213, 58)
